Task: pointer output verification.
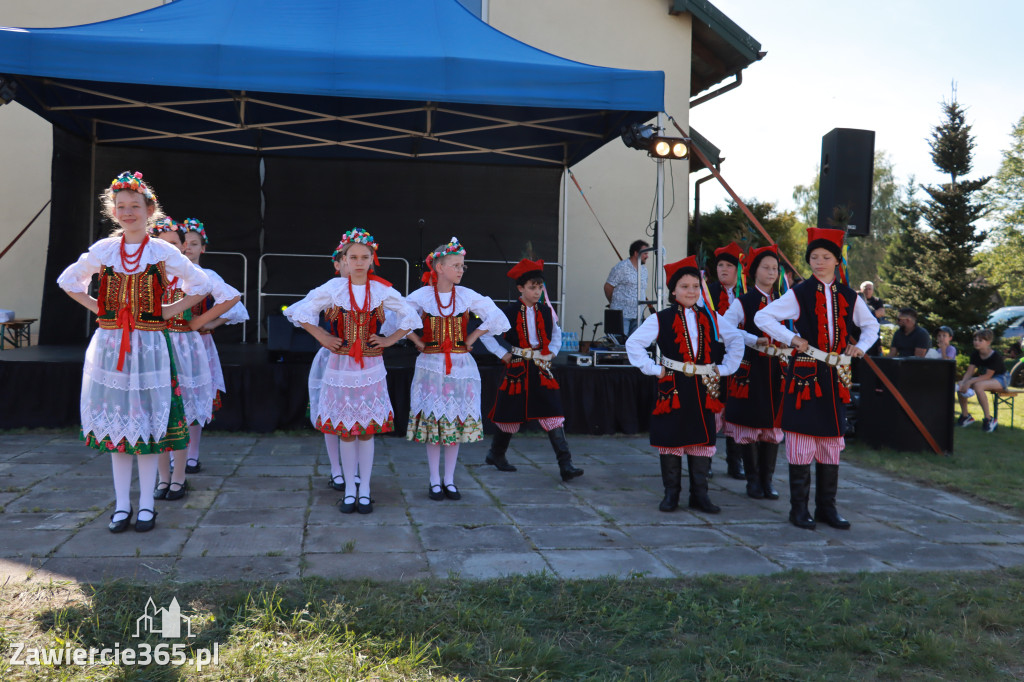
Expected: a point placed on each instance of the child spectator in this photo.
(944, 343)
(993, 377)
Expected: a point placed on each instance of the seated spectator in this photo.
(944, 343)
(985, 373)
(867, 292)
(909, 341)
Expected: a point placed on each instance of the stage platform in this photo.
(266, 391)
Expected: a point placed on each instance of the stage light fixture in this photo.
(646, 138)
(8, 89)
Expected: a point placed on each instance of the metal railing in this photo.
(263, 294)
(245, 282)
(555, 302)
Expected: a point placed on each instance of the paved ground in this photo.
(261, 510)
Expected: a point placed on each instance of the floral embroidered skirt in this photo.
(445, 406)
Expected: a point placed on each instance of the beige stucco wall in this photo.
(27, 148)
(619, 182)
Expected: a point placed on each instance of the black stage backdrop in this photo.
(302, 206)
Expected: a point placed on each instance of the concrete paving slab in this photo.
(289, 517)
(54, 501)
(201, 568)
(772, 534)
(479, 538)
(557, 515)
(223, 541)
(147, 569)
(38, 543)
(485, 565)
(361, 539)
(94, 540)
(266, 500)
(578, 537)
(635, 515)
(394, 567)
(599, 563)
(259, 484)
(731, 560)
(823, 558)
(26, 522)
(918, 555)
(663, 537)
(435, 513)
(328, 515)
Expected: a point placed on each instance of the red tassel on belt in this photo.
(446, 346)
(126, 321)
(357, 352)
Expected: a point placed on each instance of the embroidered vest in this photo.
(140, 294)
(518, 336)
(352, 325)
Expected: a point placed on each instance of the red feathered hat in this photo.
(755, 256)
(526, 267)
(825, 238)
(688, 266)
(731, 253)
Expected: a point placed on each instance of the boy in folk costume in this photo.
(528, 391)
(348, 392)
(817, 387)
(723, 291)
(754, 407)
(689, 338)
(444, 401)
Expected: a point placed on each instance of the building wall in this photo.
(618, 181)
(25, 184)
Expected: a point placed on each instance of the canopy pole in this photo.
(92, 208)
(565, 240)
(659, 227)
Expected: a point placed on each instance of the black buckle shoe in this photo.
(337, 485)
(346, 507)
(191, 468)
(173, 494)
(121, 525)
(451, 492)
(365, 507)
(161, 490)
(434, 493)
(145, 526)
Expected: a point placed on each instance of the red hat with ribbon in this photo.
(731, 253)
(525, 267)
(755, 256)
(825, 238)
(688, 266)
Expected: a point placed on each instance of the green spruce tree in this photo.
(1003, 263)
(935, 270)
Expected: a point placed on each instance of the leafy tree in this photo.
(865, 253)
(934, 270)
(722, 226)
(1003, 264)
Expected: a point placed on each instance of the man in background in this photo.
(621, 290)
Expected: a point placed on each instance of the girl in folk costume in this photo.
(683, 420)
(723, 292)
(131, 403)
(754, 406)
(348, 394)
(196, 241)
(528, 391)
(817, 387)
(445, 396)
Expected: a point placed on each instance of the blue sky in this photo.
(882, 66)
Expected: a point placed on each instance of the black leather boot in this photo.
(734, 460)
(672, 479)
(748, 451)
(496, 455)
(699, 468)
(767, 453)
(827, 483)
(799, 494)
(561, 447)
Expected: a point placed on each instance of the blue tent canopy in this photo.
(399, 79)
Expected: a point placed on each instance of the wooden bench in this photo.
(16, 332)
(1004, 397)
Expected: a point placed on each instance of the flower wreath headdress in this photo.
(358, 235)
(167, 224)
(452, 248)
(132, 181)
(193, 225)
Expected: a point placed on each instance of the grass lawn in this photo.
(793, 626)
(987, 466)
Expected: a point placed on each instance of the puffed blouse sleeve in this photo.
(493, 321)
(405, 314)
(308, 309)
(77, 277)
(191, 278)
(236, 313)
